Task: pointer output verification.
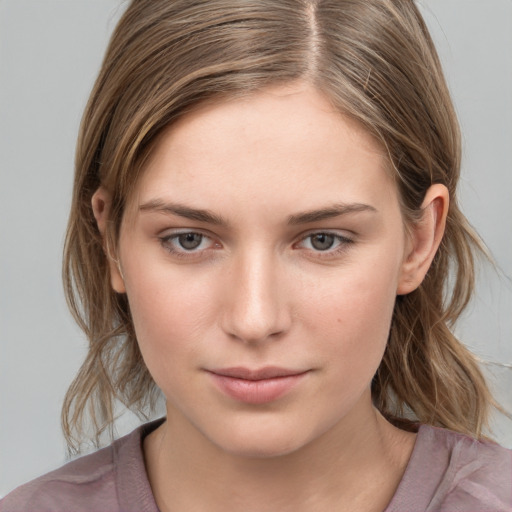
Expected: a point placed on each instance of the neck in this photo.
(348, 468)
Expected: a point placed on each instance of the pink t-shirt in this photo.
(447, 472)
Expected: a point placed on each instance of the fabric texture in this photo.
(447, 472)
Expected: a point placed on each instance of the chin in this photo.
(261, 448)
(261, 439)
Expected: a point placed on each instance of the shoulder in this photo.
(451, 471)
(102, 481)
(478, 474)
(68, 486)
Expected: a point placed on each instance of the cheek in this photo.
(350, 314)
(170, 314)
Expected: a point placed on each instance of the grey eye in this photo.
(190, 241)
(322, 241)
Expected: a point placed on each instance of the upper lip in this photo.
(268, 372)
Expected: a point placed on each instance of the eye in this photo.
(186, 243)
(325, 242)
(189, 241)
(322, 241)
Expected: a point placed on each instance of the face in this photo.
(261, 254)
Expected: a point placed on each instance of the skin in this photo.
(261, 291)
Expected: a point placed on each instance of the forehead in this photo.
(284, 146)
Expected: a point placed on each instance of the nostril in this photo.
(256, 324)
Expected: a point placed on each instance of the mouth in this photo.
(258, 386)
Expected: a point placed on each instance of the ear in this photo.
(424, 239)
(101, 203)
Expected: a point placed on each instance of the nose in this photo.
(257, 306)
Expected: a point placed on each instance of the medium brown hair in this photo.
(375, 61)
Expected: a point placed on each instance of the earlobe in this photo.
(424, 240)
(101, 203)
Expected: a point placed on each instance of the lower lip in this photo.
(256, 391)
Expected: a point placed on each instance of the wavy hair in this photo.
(376, 62)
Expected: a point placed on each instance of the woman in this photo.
(263, 219)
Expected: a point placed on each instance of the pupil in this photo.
(190, 240)
(322, 241)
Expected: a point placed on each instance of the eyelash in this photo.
(342, 244)
(167, 243)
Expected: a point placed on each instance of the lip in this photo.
(257, 386)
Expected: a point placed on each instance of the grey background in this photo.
(50, 52)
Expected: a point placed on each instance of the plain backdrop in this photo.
(50, 53)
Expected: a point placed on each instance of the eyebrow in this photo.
(208, 217)
(198, 214)
(330, 212)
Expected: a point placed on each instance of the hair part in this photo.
(376, 63)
